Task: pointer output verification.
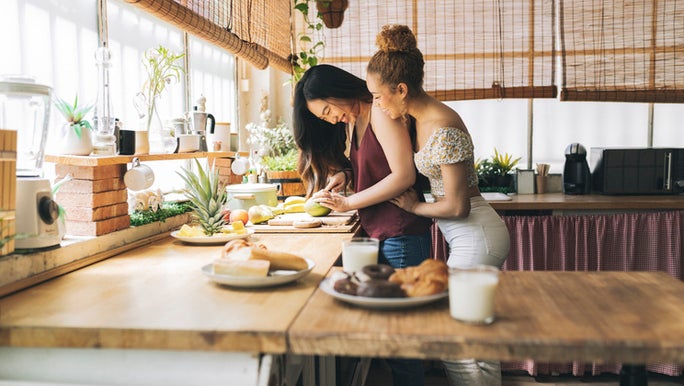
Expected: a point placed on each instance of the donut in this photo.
(345, 286)
(380, 289)
(378, 271)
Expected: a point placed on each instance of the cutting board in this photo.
(335, 222)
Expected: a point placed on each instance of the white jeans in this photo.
(481, 238)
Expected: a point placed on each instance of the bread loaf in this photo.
(280, 260)
(251, 268)
(243, 250)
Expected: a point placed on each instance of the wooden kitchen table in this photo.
(630, 317)
(155, 301)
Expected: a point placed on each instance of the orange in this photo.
(239, 215)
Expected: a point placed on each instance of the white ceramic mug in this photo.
(359, 252)
(240, 166)
(471, 293)
(139, 176)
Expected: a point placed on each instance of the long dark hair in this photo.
(322, 144)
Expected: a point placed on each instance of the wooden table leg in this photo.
(633, 375)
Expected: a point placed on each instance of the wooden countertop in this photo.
(156, 297)
(629, 317)
(560, 201)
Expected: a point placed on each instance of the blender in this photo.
(25, 108)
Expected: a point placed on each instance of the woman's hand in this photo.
(337, 182)
(332, 200)
(407, 200)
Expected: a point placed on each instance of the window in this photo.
(55, 42)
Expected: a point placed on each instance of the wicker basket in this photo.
(289, 183)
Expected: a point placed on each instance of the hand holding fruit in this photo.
(329, 200)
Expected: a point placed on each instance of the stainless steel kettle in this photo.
(199, 121)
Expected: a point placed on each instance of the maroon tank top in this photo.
(383, 220)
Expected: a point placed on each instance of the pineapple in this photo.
(206, 196)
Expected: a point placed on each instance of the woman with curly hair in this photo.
(443, 152)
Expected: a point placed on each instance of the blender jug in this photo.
(25, 108)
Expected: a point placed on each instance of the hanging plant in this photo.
(308, 48)
(332, 11)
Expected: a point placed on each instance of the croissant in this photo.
(429, 278)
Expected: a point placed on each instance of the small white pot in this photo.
(73, 145)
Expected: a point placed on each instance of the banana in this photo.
(294, 200)
(280, 209)
(295, 208)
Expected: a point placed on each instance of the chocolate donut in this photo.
(378, 271)
(375, 288)
(345, 286)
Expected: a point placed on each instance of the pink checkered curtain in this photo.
(440, 248)
(612, 242)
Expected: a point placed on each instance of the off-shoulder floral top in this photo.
(447, 145)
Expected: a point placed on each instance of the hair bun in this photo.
(396, 38)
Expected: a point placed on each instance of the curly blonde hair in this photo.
(398, 59)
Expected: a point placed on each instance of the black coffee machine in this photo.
(576, 174)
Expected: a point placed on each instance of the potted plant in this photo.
(332, 11)
(280, 155)
(494, 173)
(162, 67)
(308, 48)
(77, 137)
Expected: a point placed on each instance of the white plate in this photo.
(217, 238)
(274, 278)
(380, 303)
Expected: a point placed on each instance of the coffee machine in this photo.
(576, 174)
(25, 108)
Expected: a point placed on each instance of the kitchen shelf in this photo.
(124, 159)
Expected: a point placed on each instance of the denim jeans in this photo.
(401, 252)
(405, 251)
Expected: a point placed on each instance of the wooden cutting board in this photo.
(335, 222)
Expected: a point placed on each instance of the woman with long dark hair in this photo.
(344, 139)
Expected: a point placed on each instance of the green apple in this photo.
(315, 209)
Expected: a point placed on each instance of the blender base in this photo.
(32, 231)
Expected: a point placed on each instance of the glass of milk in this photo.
(359, 252)
(471, 293)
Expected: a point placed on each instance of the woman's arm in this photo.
(395, 141)
(456, 200)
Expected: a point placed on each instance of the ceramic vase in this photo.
(73, 144)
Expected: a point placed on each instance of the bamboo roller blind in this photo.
(473, 49)
(622, 50)
(610, 50)
(257, 31)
